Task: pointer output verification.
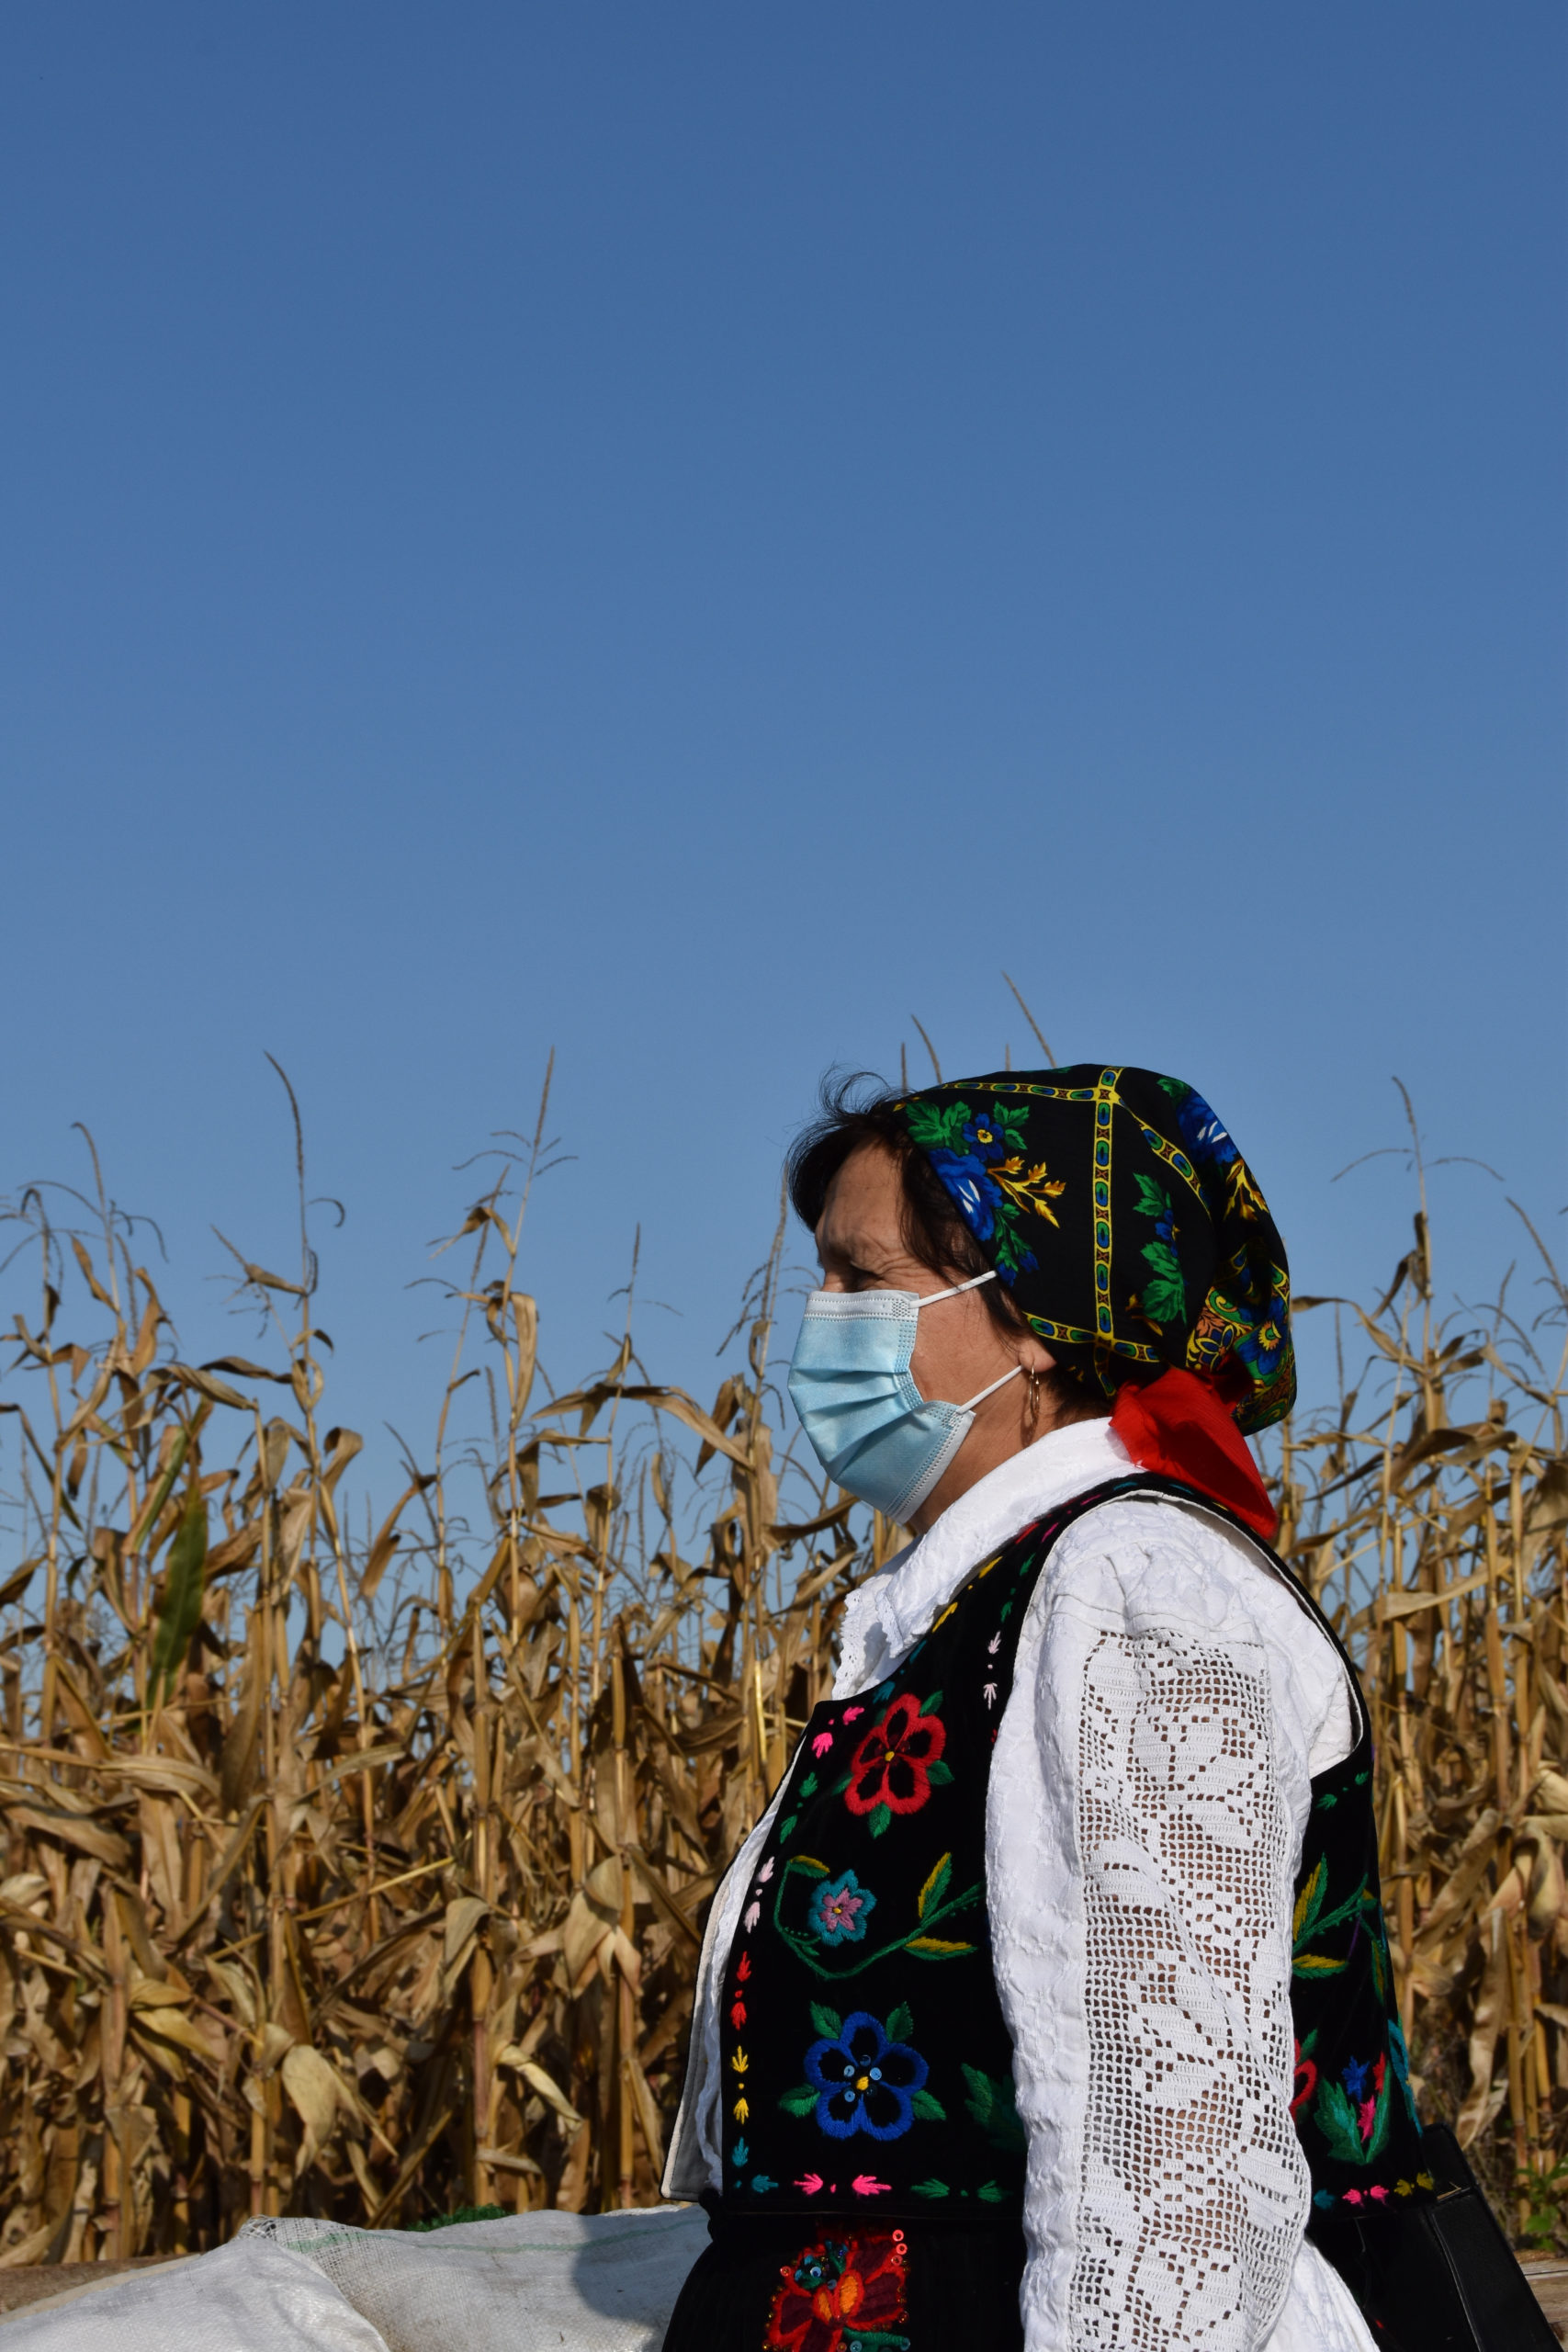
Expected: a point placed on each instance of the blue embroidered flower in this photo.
(1205, 1138)
(863, 2082)
(987, 1140)
(1355, 2076)
(964, 1175)
(839, 1909)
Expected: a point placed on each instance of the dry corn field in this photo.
(361, 1872)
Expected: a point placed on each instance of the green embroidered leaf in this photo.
(1309, 1903)
(929, 2108)
(829, 2023)
(1316, 1963)
(935, 1886)
(1152, 1199)
(994, 2109)
(934, 1948)
(939, 1774)
(786, 1827)
(901, 2024)
(810, 1864)
(1165, 1299)
(1177, 1088)
(1381, 1966)
(931, 1705)
(808, 1786)
(1335, 2116)
(930, 2188)
(800, 2102)
(878, 1821)
(935, 1127)
(991, 2194)
(1005, 1241)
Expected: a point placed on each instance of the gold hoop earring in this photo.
(1033, 1413)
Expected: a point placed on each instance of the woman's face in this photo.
(959, 1349)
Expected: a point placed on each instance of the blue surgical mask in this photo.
(849, 1382)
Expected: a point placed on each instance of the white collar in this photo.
(888, 1616)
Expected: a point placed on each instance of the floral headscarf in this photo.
(1125, 1223)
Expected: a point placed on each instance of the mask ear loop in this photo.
(992, 1389)
(973, 1284)
(1032, 1412)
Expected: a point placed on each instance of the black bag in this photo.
(1438, 2277)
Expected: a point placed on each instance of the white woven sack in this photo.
(543, 2282)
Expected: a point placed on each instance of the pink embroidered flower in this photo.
(753, 1912)
(990, 1695)
(823, 1743)
(765, 1873)
(851, 1713)
(839, 1909)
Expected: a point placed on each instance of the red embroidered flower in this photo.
(892, 1766)
(838, 2290)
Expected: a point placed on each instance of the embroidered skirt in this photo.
(788, 2284)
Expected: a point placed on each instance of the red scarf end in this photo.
(1179, 1426)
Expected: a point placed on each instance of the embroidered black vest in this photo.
(866, 2064)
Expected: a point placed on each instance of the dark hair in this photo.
(933, 1227)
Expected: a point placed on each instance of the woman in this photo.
(996, 2030)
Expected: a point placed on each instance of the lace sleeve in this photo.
(1192, 2188)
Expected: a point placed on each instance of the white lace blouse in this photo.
(1170, 1704)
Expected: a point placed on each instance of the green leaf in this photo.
(930, 2189)
(901, 2024)
(786, 1827)
(183, 1583)
(929, 1707)
(878, 1821)
(1177, 1088)
(1152, 1199)
(1165, 1299)
(934, 1948)
(937, 1126)
(809, 1865)
(929, 2108)
(1337, 2118)
(991, 2103)
(808, 1787)
(939, 1774)
(1309, 1903)
(829, 2023)
(935, 1886)
(991, 2193)
(800, 2102)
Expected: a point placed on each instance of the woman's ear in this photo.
(1035, 1355)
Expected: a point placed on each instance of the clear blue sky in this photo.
(692, 534)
